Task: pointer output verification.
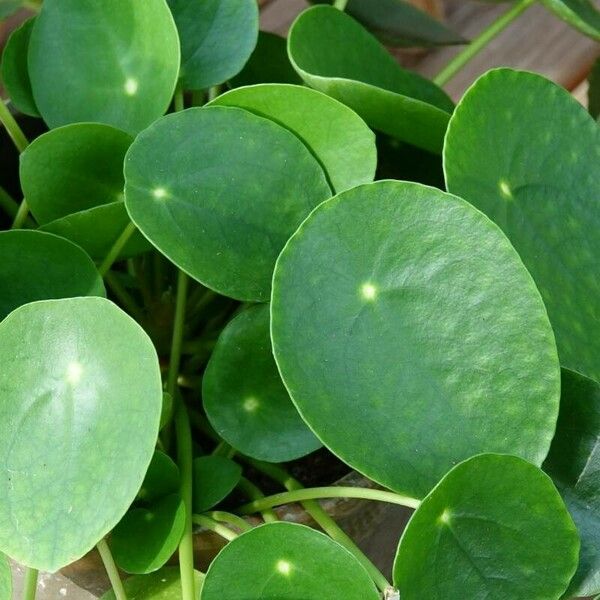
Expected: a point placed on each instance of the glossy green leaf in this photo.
(73, 168)
(215, 477)
(197, 187)
(244, 397)
(594, 90)
(78, 424)
(148, 536)
(96, 230)
(15, 74)
(269, 63)
(573, 463)
(402, 314)
(5, 579)
(162, 585)
(336, 55)
(116, 62)
(322, 123)
(494, 527)
(162, 478)
(580, 14)
(217, 38)
(526, 153)
(285, 561)
(41, 266)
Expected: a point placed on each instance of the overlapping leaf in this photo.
(162, 585)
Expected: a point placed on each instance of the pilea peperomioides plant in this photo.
(203, 308)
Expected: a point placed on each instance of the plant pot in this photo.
(359, 518)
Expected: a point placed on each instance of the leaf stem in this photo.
(213, 92)
(229, 518)
(481, 41)
(179, 99)
(14, 131)
(340, 4)
(116, 249)
(30, 584)
(7, 203)
(177, 340)
(215, 526)
(123, 296)
(111, 570)
(21, 215)
(253, 492)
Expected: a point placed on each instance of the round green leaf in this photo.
(217, 38)
(197, 187)
(161, 585)
(244, 397)
(78, 424)
(215, 477)
(162, 478)
(114, 62)
(322, 123)
(494, 527)
(334, 54)
(5, 579)
(573, 465)
(269, 63)
(580, 14)
(401, 313)
(286, 561)
(41, 266)
(15, 74)
(73, 168)
(97, 229)
(523, 151)
(147, 537)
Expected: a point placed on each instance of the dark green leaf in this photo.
(334, 54)
(15, 74)
(580, 14)
(217, 38)
(198, 187)
(114, 62)
(215, 477)
(285, 561)
(322, 123)
(526, 153)
(41, 266)
(494, 527)
(402, 314)
(244, 396)
(78, 424)
(162, 585)
(573, 463)
(162, 479)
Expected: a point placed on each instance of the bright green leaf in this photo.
(162, 478)
(42, 266)
(114, 62)
(322, 123)
(217, 38)
(15, 74)
(198, 187)
(402, 314)
(215, 477)
(526, 153)
(494, 527)
(78, 424)
(162, 585)
(285, 561)
(580, 14)
(336, 55)
(5, 579)
(573, 464)
(244, 397)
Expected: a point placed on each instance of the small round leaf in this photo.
(494, 527)
(244, 397)
(286, 561)
(215, 477)
(78, 424)
(197, 187)
(161, 585)
(402, 314)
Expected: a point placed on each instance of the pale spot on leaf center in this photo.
(74, 372)
(131, 86)
(284, 567)
(251, 404)
(368, 291)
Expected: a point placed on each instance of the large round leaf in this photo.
(402, 314)
(219, 190)
(78, 424)
(73, 168)
(42, 266)
(15, 74)
(215, 477)
(573, 464)
(523, 151)
(217, 38)
(321, 122)
(333, 53)
(244, 397)
(494, 527)
(113, 62)
(581, 14)
(5, 579)
(286, 561)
